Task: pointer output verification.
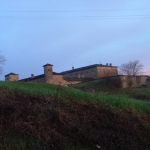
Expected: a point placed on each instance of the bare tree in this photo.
(131, 68)
(2, 61)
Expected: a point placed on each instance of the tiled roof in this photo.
(35, 77)
(86, 67)
(77, 79)
(38, 77)
(47, 65)
(11, 74)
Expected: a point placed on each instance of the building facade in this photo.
(48, 77)
(11, 77)
(93, 71)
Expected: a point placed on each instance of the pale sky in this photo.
(68, 33)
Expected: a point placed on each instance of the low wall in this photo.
(40, 80)
(133, 81)
(124, 81)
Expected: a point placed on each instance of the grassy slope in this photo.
(60, 115)
(108, 89)
(117, 100)
(102, 88)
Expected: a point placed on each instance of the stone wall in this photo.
(12, 78)
(56, 79)
(95, 72)
(133, 81)
(48, 71)
(39, 80)
(106, 71)
(86, 73)
(124, 81)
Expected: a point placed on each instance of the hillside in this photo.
(43, 116)
(111, 89)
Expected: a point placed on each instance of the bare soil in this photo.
(58, 123)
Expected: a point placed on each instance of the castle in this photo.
(72, 76)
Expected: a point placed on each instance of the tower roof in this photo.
(11, 74)
(47, 65)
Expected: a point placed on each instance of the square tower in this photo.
(48, 72)
(11, 77)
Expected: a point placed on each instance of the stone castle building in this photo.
(93, 71)
(11, 77)
(73, 76)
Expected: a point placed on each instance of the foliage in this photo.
(74, 94)
(131, 68)
(148, 81)
(105, 88)
(43, 116)
(2, 60)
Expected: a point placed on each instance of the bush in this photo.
(114, 83)
(148, 81)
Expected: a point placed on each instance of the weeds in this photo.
(61, 92)
(43, 116)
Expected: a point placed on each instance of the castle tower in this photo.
(48, 71)
(11, 77)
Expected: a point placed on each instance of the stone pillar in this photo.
(48, 71)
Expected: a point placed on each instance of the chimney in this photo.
(72, 68)
(110, 64)
(32, 75)
(106, 64)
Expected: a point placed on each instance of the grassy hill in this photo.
(44, 116)
(110, 89)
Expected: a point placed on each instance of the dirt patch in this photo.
(59, 123)
(141, 97)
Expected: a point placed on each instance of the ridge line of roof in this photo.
(38, 76)
(86, 68)
(11, 73)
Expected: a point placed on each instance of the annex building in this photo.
(72, 76)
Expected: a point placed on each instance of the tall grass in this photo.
(19, 143)
(71, 93)
(67, 93)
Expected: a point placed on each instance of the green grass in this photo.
(19, 143)
(73, 147)
(134, 91)
(116, 100)
(102, 87)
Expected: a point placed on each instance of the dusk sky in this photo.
(76, 33)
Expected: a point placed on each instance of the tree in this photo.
(131, 68)
(2, 61)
